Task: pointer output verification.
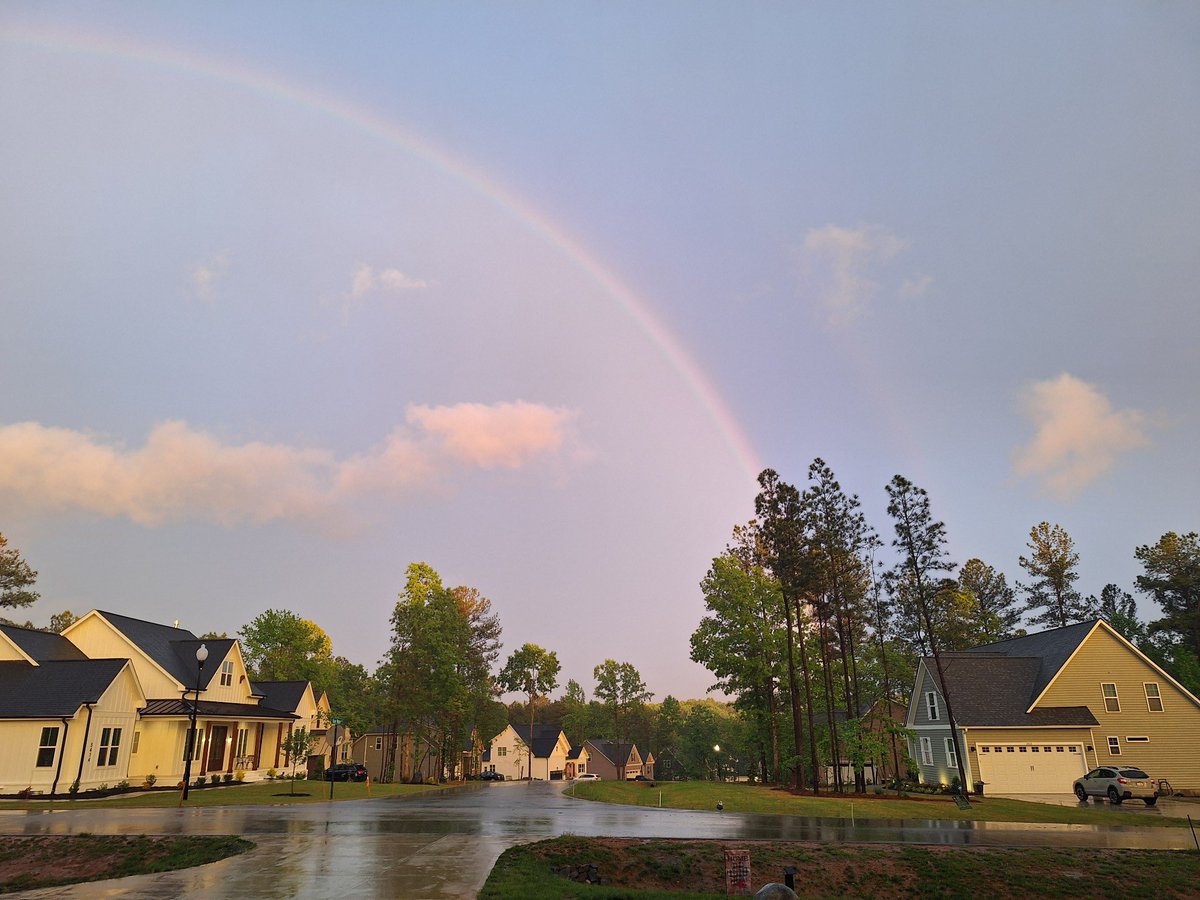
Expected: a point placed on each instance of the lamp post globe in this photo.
(189, 741)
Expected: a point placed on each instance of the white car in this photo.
(587, 776)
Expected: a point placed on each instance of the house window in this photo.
(1111, 702)
(932, 705)
(1153, 696)
(951, 756)
(192, 740)
(110, 745)
(47, 746)
(226, 673)
(502, 751)
(1114, 746)
(378, 743)
(1021, 750)
(243, 734)
(1137, 739)
(926, 751)
(137, 737)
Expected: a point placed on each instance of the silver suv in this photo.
(1117, 783)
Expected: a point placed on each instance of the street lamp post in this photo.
(190, 742)
(717, 751)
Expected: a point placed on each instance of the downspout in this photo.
(87, 730)
(58, 772)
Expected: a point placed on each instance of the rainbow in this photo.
(342, 110)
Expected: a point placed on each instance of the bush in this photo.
(151, 778)
(271, 773)
(227, 777)
(103, 786)
(239, 775)
(878, 791)
(215, 778)
(200, 781)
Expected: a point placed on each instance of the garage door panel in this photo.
(1030, 768)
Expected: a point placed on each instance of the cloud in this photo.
(366, 280)
(1078, 435)
(915, 287)
(839, 266)
(182, 473)
(206, 274)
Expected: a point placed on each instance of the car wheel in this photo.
(1081, 793)
(1150, 801)
(1113, 797)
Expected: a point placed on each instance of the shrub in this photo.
(271, 773)
(215, 778)
(151, 778)
(200, 781)
(239, 775)
(878, 791)
(103, 786)
(227, 777)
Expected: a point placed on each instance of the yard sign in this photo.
(737, 873)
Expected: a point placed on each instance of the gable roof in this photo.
(996, 691)
(545, 738)
(280, 694)
(1053, 648)
(42, 645)
(55, 688)
(610, 750)
(173, 649)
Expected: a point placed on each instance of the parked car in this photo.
(1117, 783)
(587, 776)
(637, 778)
(491, 776)
(346, 772)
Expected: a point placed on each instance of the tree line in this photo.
(811, 618)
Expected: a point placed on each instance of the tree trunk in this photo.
(797, 728)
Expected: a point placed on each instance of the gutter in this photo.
(58, 772)
(87, 729)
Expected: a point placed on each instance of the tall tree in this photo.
(1172, 578)
(532, 671)
(1051, 598)
(16, 577)
(741, 639)
(576, 720)
(790, 558)
(620, 686)
(921, 542)
(278, 645)
(1119, 609)
(994, 599)
(60, 622)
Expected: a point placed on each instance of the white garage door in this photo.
(1030, 768)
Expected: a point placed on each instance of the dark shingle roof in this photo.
(181, 707)
(1052, 648)
(610, 750)
(173, 648)
(280, 694)
(989, 690)
(544, 738)
(42, 645)
(55, 687)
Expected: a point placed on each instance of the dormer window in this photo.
(226, 673)
(931, 703)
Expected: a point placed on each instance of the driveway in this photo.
(1171, 807)
(444, 844)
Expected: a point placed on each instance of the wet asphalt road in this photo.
(444, 844)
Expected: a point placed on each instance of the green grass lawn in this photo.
(258, 792)
(644, 869)
(749, 798)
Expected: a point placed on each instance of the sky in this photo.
(295, 294)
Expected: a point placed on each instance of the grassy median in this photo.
(689, 870)
(258, 792)
(49, 861)
(749, 798)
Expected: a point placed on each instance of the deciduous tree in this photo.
(620, 687)
(16, 578)
(533, 671)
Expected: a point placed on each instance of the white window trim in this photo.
(1158, 696)
(931, 706)
(1114, 745)
(951, 756)
(1116, 697)
(926, 751)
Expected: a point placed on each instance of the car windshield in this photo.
(1134, 773)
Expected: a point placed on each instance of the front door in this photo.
(216, 748)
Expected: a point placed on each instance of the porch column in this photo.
(233, 744)
(258, 745)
